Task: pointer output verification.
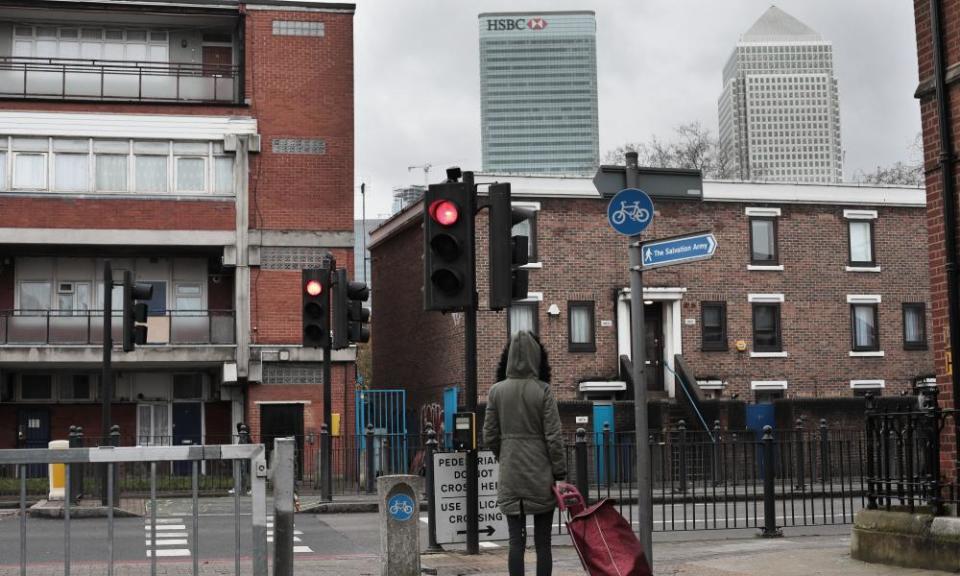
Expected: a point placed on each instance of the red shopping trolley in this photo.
(604, 540)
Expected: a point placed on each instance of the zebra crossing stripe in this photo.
(177, 542)
(169, 553)
(166, 527)
(299, 549)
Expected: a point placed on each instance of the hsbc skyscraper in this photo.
(538, 85)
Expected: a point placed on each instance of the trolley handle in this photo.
(568, 498)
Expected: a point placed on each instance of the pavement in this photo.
(346, 545)
(750, 556)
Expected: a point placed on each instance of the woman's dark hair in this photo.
(544, 362)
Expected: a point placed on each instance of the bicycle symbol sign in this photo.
(400, 507)
(630, 211)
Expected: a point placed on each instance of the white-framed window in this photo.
(34, 295)
(153, 425)
(191, 166)
(91, 43)
(188, 297)
(151, 165)
(864, 387)
(73, 298)
(30, 163)
(115, 166)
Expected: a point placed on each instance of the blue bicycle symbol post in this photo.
(630, 211)
(400, 507)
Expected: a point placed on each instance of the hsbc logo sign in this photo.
(505, 24)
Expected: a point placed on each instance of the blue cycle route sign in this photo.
(400, 507)
(677, 250)
(630, 211)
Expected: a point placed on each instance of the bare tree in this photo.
(909, 173)
(692, 147)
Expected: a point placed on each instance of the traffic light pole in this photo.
(326, 439)
(638, 354)
(470, 391)
(106, 377)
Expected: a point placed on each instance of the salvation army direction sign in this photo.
(450, 497)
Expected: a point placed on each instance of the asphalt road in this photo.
(357, 534)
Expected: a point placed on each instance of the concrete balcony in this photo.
(118, 80)
(76, 336)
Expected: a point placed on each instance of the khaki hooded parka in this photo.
(522, 427)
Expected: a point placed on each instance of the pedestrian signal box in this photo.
(464, 431)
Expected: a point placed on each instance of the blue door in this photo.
(603, 414)
(758, 416)
(449, 409)
(187, 430)
(34, 432)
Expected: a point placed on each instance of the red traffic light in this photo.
(314, 287)
(445, 212)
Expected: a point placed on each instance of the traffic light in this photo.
(134, 311)
(448, 261)
(508, 282)
(348, 313)
(315, 283)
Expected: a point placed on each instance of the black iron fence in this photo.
(810, 474)
(72, 327)
(903, 456)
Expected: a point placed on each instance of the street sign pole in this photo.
(638, 354)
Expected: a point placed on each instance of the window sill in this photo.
(867, 354)
(862, 268)
(768, 354)
(916, 348)
(765, 268)
(532, 266)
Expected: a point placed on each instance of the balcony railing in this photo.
(119, 80)
(85, 327)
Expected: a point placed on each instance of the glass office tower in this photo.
(538, 83)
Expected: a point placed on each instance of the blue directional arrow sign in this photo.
(677, 250)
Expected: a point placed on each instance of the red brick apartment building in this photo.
(207, 147)
(815, 291)
(940, 114)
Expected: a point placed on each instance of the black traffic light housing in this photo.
(350, 316)
(448, 233)
(508, 282)
(135, 311)
(315, 286)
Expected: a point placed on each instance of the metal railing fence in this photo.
(115, 80)
(903, 456)
(191, 456)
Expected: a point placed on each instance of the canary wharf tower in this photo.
(538, 83)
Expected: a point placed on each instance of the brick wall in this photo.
(584, 260)
(343, 378)
(115, 213)
(302, 87)
(935, 224)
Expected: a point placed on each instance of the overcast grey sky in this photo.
(659, 63)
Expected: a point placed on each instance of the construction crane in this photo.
(426, 171)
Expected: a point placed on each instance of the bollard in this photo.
(57, 472)
(770, 529)
(370, 474)
(583, 477)
(76, 470)
(399, 525)
(325, 460)
(432, 545)
(115, 441)
(284, 450)
(715, 465)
